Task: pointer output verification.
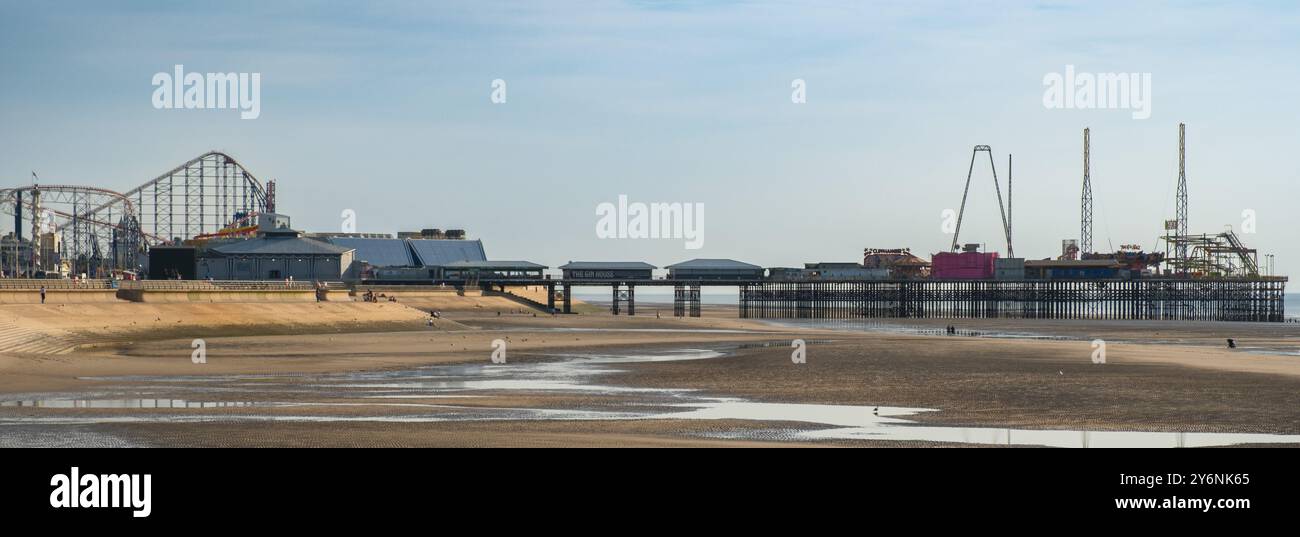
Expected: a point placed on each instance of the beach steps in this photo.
(521, 298)
(17, 339)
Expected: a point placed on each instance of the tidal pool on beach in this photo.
(443, 393)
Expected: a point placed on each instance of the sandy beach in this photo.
(377, 374)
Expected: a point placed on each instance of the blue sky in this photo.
(383, 108)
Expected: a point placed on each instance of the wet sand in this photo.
(356, 388)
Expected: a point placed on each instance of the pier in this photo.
(1228, 299)
(1255, 300)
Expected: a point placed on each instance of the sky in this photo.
(386, 109)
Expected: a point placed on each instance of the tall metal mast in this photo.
(1085, 223)
(1182, 195)
(36, 230)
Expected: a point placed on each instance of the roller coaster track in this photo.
(211, 191)
(1244, 254)
(101, 228)
(106, 240)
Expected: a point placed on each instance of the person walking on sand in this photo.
(42, 294)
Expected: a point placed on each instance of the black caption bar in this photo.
(320, 487)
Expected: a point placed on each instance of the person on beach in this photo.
(42, 294)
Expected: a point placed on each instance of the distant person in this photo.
(42, 294)
(1232, 344)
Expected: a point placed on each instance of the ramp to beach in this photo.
(444, 299)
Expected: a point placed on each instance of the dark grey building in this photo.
(474, 270)
(827, 271)
(276, 254)
(607, 270)
(714, 269)
(172, 262)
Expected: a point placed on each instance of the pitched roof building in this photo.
(607, 270)
(277, 253)
(714, 269)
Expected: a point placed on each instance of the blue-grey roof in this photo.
(412, 252)
(280, 246)
(446, 251)
(714, 264)
(495, 264)
(607, 265)
(378, 252)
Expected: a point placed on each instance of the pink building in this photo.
(967, 265)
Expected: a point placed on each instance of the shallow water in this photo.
(885, 423)
(886, 327)
(123, 403)
(396, 396)
(856, 325)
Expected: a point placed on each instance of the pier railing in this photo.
(217, 285)
(54, 284)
